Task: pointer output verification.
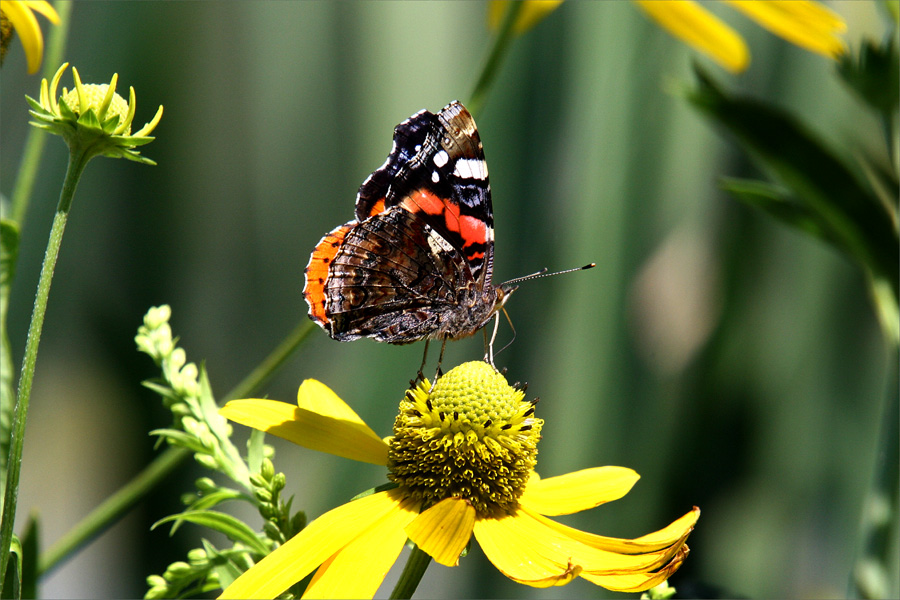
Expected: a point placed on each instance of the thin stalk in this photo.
(488, 76)
(875, 570)
(77, 163)
(111, 509)
(123, 500)
(412, 574)
(271, 363)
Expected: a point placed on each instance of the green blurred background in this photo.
(734, 364)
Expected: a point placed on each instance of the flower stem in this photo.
(271, 363)
(504, 37)
(117, 505)
(412, 574)
(875, 570)
(111, 509)
(77, 163)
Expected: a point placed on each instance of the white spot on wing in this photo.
(437, 243)
(435, 177)
(471, 168)
(441, 158)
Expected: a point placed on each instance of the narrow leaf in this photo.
(234, 529)
(816, 177)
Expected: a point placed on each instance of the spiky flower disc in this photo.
(92, 119)
(473, 436)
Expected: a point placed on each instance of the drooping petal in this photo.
(697, 27)
(809, 25)
(312, 546)
(342, 435)
(581, 490)
(532, 13)
(359, 568)
(527, 551)
(444, 530)
(666, 537)
(26, 25)
(45, 8)
(638, 582)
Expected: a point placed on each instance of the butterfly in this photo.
(416, 262)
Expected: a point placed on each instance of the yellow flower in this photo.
(462, 462)
(92, 118)
(809, 25)
(19, 16)
(805, 23)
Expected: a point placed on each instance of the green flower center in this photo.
(94, 94)
(473, 436)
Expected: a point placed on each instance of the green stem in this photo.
(77, 163)
(112, 508)
(875, 570)
(34, 145)
(412, 574)
(267, 367)
(117, 505)
(505, 36)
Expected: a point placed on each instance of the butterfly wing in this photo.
(417, 261)
(436, 169)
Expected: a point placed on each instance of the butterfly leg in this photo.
(438, 373)
(420, 376)
(489, 345)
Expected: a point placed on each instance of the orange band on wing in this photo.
(317, 271)
(471, 229)
(377, 208)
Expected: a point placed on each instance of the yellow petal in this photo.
(316, 396)
(698, 28)
(346, 437)
(526, 551)
(308, 549)
(444, 530)
(577, 491)
(358, 569)
(806, 24)
(29, 32)
(638, 582)
(532, 13)
(669, 536)
(45, 8)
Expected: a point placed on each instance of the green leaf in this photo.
(180, 438)
(30, 544)
(874, 74)
(9, 251)
(779, 204)
(822, 183)
(211, 499)
(12, 579)
(234, 529)
(225, 563)
(256, 450)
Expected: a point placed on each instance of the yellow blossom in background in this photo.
(809, 25)
(462, 461)
(18, 16)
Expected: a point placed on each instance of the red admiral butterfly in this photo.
(416, 262)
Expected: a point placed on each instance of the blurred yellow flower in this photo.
(804, 23)
(18, 16)
(462, 460)
(809, 25)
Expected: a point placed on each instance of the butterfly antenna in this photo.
(543, 273)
